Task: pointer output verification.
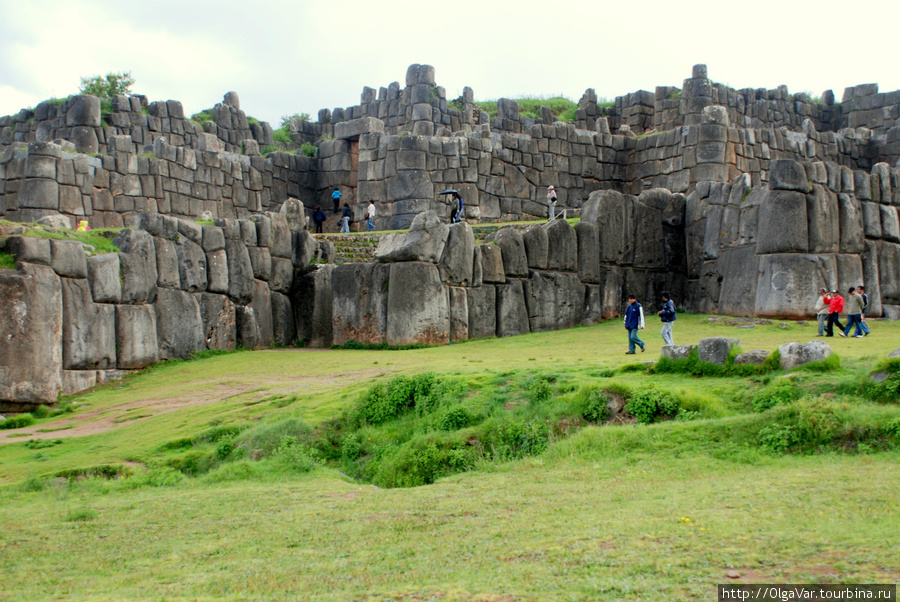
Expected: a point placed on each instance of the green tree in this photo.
(108, 86)
(286, 119)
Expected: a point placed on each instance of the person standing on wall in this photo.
(862, 318)
(854, 314)
(457, 214)
(835, 307)
(822, 310)
(370, 215)
(634, 321)
(667, 315)
(336, 199)
(345, 219)
(318, 219)
(551, 202)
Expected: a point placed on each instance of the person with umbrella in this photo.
(456, 214)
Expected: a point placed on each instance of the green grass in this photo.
(100, 239)
(7, 261)
(530, 106)
(222, 476)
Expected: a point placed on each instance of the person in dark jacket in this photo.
(457, 214)
(319, 219)
(634, 318)
(862, 319)
(667, 315)
(345, 219)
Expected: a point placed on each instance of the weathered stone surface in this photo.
(29, 249)
(39, 193)
(282, 274)
(872, 220)
(213, 239)
(562, 250)
(888, 269)
(424, 241)
(179, 326)
(852, 231)
(756, 357)
(512, 249)
(418, 310)
(282, 238)
(136, 342)
(612, 280)
(305, 247)
(593, 305)
(103, 276)
(824, 220)
(166, 263)
(492, 264)
(284, 330)
(240, 271)
(190, 230)
(512, 313)
(89, 329)
(795, 354)
(76, 381)
(895, 353)
(191, 265)
(31, 356)
(738, 270)
(217, 271)
(456, 260)
(890, 225)
(219, 321)
(715, 350)
(138, 264)
(247, 327)
(787, 174)
(872, 279)
(536, 243)
(783, 224)
(359, 310)
(261, 304)
(68, 258)
(311, 297)
(677, 352)
(482, 307)
(294, 214)
(357, 127)
(787, 283)
(261, 260)
(84, 109)
(554, 301)
(459, 314)
(477, 270)
(588, 252)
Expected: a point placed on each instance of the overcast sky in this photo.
(285, 57)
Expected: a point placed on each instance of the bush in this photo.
(782, 392)
(295, 455)
(593, 404)
(18, 421)
(649, 403)
(265, 439)
(455, 418)
(423, 460)
(401, 394)
(817, 422)
(540, 391)
(308, 149)
(108, 86)
(886, 391)
(778, 438)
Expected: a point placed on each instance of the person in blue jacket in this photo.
(336, 199)
(634, 320)
(667, 315)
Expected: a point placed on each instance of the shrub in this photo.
(593, 404)
(893, 428)
(295, 455)
(778, 438)
(455, 418)
(351, 447)
(162, 476)
(886, 391)
(265, 439)
(649, 403)
(782, 392)
(817, 422)
(385, 402)
(18, 421)
(282, 137)
(108, 86)
(308, 149)
(423, 460)
(540, 391)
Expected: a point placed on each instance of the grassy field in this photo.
(802, 492)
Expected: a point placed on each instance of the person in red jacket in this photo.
(835, 307)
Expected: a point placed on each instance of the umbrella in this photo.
(449, 191)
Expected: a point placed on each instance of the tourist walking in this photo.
(854, 313)
(822, 310)
(319, 219)
(835, 307)
(862, 318)
(336, 199)
(551, 202)
(668, 315)
(634, 321)
(457, 214)
(345, 219)
(370, 215)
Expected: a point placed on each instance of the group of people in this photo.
(634, 321)
(830, 305)
(346, 218)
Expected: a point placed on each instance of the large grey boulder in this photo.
(787, 174)
(787, 283)
(677, 352)
(852, 231)
(136, 342)
(359, 304)
(795, 354)
(311, 298)
(261, 260)
(190, 230)
(31, 355)
(459, 314)
(89, 329)
(536, 244)
(783, 223)
(284, 330)
(512, 313)
(756, 357)
(305, 246)
(103, 276)
(888, 268)
(554, 301)
(76, 381)
(593, 305)
(261, 304)
(191, 266)
(424, 241)
(68, 258)
(456, 261)
(613, 213)
(282, 238)
(588, 252)
(240, 272)
(28, 249)
(492, 264)
(138, 264)
(281, 275)
(179, 326)
(166, 263)
(512, 249)
(217, 271)
(477, 268)
(737, 268)
(247, 327)
(295, 214)
(894, 354)
(219, 321)
(562, 250)
(824, 220)
(418, 308)
(213, 239)
(715, 350)
(481, 304)
(84, 109)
